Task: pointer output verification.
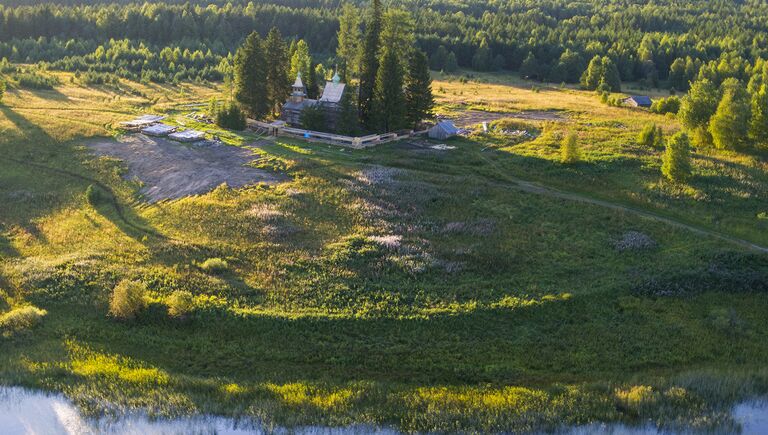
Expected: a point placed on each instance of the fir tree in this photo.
(398, 33)
(676, 162)
(729, 125)
(251, 77)
(348, 51)
(369, 63)
(312, 82)
(419, 100)
(389, 100)
(278, 81)
(569, 149)
(348, 122)
(758, 124)
(300, 61)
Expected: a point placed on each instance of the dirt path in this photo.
(539, 189)
(111, 197)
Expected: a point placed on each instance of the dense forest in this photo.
(659, 43)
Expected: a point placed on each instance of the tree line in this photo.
(661, 43)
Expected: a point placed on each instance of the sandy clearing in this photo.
(171, 170)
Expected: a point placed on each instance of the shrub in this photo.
(94, 195)
(35, 80)
(128, 299)
(180, 303)
(20, 319)
(230, 116)
(214, 265)
(313, 118)
(2, 89)
(651, 136)
(666, 105)
(570, 149)
(98, 78)
(676, 164)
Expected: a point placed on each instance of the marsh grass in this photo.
(396, 286)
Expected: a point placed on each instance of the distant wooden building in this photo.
(638, 101)
(443, 130)
(329, 102)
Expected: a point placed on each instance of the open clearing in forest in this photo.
(171, 170)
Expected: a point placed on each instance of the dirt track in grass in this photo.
(170, 170)
(471, 117)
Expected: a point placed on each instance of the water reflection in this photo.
(26, 412)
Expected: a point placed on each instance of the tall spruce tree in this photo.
(729, 125)
(369, 62)
(251, 77)
(758, 124)
(348, 122)
(278, 81)
(419, 100)
(389, 100)
(312, 82)
(301, 61)
(398, 33)
(348, 51)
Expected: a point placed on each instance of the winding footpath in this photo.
(539, 189)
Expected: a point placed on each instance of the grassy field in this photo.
(399, 285)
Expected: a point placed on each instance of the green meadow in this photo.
(486, 287)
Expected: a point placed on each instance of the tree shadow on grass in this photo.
(45, 94)
(57, 162)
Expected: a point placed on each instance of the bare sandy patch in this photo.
(171, 170)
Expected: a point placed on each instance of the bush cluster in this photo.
(214, 265)
(20, 319)
(128, 300)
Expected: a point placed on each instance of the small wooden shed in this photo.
(443, 130)
(638, 101)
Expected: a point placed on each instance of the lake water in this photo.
(26, 412)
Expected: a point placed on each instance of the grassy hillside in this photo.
(468, 289)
